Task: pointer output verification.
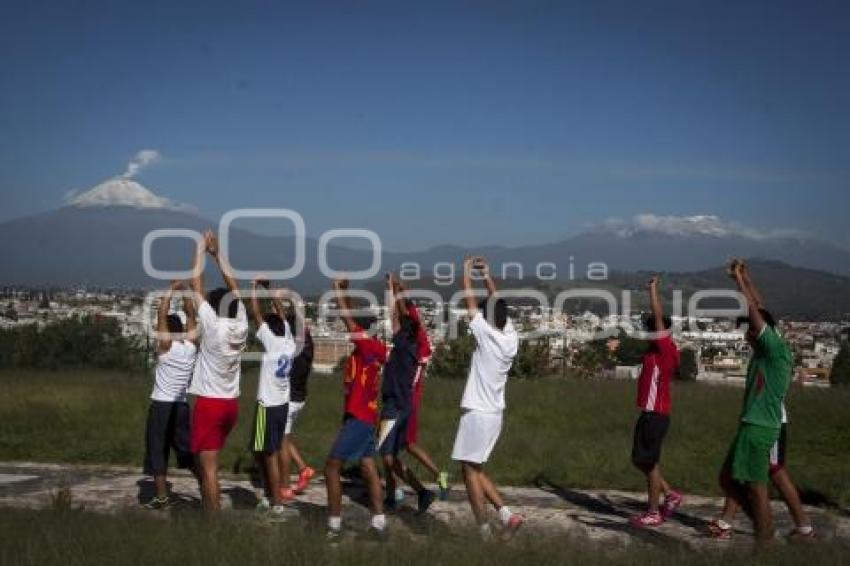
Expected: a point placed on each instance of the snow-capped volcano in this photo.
(120, 191)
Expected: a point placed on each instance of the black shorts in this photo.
(779, 450)
(650, 431)
(269, 428)
(396, 440)
(167, 429)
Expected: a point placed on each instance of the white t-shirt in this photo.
(491, 362)
(174, 372)
(273, 388)
(219, 364)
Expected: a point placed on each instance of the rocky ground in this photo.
(551, 510)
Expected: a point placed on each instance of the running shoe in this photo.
(798, 535)
(158, 503)
(286, 494)
(279, 514)
(304, 479)
(425, 499)
(333, 536)
(513, 525)
(647, 519)
(377, 535)
(719, 530)
(443, 484)
(672, 501)
(263, 506)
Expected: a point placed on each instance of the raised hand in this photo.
(212, 243)
(652, 284)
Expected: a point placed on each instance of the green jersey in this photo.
(768, 378)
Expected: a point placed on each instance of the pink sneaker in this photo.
(513, 525)
(287, 494)
(647, 520)
(672, 501)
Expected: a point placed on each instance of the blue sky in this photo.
(432, 122)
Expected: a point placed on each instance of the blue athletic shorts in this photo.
(355, 441)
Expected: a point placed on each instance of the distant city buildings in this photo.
(721, 352)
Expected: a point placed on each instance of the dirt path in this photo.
(551, 510)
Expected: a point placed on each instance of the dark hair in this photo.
(174, 324)
(215, 297)
(495, 311)
(275, 324)
(765, 314)
(652, 324)
(365, 322)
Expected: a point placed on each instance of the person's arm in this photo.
(488, 279)
(191, 318)
(756, 319)
(223, 266)
(256, 311)
(197, 282)
(751, 286)
(164, 344)
(340, 286)
(395, 318)
(655, 304)
(469, 294)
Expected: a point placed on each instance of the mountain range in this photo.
(96, 240)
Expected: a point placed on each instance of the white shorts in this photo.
(476, 436)
(295, 409)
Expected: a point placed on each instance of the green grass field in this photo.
(70, 538)
(570, 432)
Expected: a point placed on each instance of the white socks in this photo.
(379, 522)
(335, 523)
(805, 530)
(505, 514)
(485, 531)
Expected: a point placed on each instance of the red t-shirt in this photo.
(423, 345)
(362, 377)
(659, 364)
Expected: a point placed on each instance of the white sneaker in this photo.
(280, 513)
(263, 506)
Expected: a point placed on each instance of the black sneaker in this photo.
(158, 503)
(333, 536)
(377, 535)
(426, 498)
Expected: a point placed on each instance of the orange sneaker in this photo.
(287, 494)
(304, 479)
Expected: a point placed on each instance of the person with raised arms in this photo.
(659, 364)
(721, 528)
(355, 441)
(483, 402)
(302, 365)
(168, 419)
(397, 397)
(423, 353)
(746, 471)
(270, 418)
(223, 326)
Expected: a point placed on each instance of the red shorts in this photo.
(413, 421)
(212, 421)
